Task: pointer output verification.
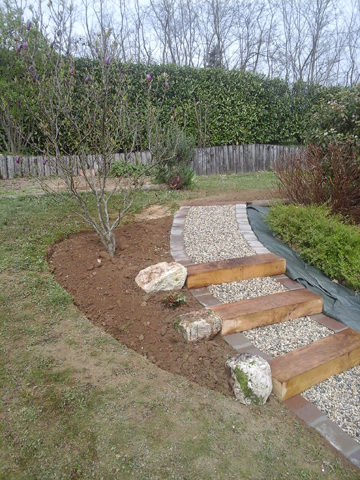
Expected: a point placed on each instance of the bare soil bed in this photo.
(105, 290)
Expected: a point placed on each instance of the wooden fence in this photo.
(208, 161)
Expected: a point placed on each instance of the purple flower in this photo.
(28, 25)
(37, 76)
(178, 181)
(173, 110)
(17, 159)
(148, 77)
(87, 78)
(139, 115)
(107, 60)
(166, 84)
(71, 71)
(25, 46)
(31, 68)
(45, 161)
(19, 47)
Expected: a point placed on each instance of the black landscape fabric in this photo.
(340, 302)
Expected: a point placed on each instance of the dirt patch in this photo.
(32, 186)
(105, 290)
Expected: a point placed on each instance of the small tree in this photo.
(84, 113)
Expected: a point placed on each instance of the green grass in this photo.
(229, 183)
(77, 404)
(321, 239)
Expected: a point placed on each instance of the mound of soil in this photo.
(104, 289)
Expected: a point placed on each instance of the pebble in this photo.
(212, 234)
(284, 337)
(245, 289)
(339, 398)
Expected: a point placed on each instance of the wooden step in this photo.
(224, 271)
(299, 370)
(260, 311)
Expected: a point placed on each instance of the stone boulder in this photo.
(162, 276)
(250, 378)
(198, 325)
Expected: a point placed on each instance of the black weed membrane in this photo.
(340, 302)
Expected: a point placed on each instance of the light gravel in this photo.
(339, 398)
(284, 337)
(246, 289)
(212, 234)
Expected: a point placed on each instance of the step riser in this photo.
(236, 274)
(225, 271)
(241, 323)
(299, 370)
(302, 382)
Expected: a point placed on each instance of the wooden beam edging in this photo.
(308, 413)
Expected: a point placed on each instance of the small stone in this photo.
(250, 378)
(141, 338)
(198, 325)
(162, 276)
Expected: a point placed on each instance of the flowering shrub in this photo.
(337, 119)
(85, 111)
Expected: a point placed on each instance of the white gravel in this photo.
(339, 398)
(212, 234)
(245, 289)
(284, 337)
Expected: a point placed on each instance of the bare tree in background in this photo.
(307, 40)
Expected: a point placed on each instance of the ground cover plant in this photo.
(76, 403)
(321, 238)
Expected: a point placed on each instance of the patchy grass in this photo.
(77, 404)
(230, 183)
(322, 239)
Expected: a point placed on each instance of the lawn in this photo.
(75, 403)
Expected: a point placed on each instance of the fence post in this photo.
(3, 167)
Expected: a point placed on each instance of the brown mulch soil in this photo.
(104, 289)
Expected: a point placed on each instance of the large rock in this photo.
(162, 276)
(198, 325)
(250, 378)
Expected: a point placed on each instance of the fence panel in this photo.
(208, 161)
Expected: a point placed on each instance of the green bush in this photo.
(125, 169)
(177, 171)
(337, 119)
(321, 239)
(215, 106)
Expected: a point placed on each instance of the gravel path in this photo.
(245, 289)
(285, 337)
(339, 398)
(212, 234)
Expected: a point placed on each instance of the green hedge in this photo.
(232, 106)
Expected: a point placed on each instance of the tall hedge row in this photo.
(216, 106)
